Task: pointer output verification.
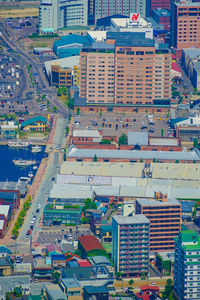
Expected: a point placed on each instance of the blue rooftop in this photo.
(71, 41)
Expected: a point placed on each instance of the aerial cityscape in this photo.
(100, 149)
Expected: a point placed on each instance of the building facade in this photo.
(156, 4)
(126, 70)
(56, 14)
(165, 221)
(112, 7)
(61, 214)
(130, 244)
(187, 265)
(185, 24)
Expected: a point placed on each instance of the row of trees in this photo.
(20, 219)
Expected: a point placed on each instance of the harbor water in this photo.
(11, 172)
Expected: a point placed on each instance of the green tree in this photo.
(67, 130)
(56, 276)
(195, 143)
(131, 282)
(59, 92)
(95, 158)
(55, 108)
(168, 290)
(89, 204)
(71, 103)
(119, 275)
(78, 111)
(64, 90)
(162, 132)
(123, 140)
(43, 96)
(105, 141)
(85, 220)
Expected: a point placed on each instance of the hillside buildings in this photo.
(125, 70)
(130, 244)
(187, 265)
(55, 14)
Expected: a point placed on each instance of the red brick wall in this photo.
(127, 109)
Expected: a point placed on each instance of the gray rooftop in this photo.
(133, 154)
(8, 283)
(100, 260)
(55, 292)
(70, 282)
(146, 202)
(192, 52)
(138, 138)
(136, 219)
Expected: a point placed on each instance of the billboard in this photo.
(134, 17)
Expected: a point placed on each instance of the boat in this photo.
(23, 162)
(30, 174)
(18, 144)
(24, 179)
(35, 167)
(36, 149)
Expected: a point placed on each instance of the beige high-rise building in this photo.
(126, 70)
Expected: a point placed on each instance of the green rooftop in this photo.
(34, 120)
(108, 247)
(63, 208)
(190, 236)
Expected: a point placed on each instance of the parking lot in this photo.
(70, 234)
(21, 27)
(116, 124)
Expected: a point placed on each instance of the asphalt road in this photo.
(36, 68)
(42, 194)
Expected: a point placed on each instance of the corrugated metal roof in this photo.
(133, 154)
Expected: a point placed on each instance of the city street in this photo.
(46, 182)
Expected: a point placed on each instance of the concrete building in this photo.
(191, 62)
(187, 265)
(69, 45)
(9, 130)
(113, 7)
(188, 129)
(156, 4)
(165, 220)
(162, 16)
(127, 25)
(185, 24)
(56, 14)
(67, 77)
(130, 244)
(125, 57)
(61, 214)
(133, 156)
(5, 215)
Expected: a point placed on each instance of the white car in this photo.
(39, 205)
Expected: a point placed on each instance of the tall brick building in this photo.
(185, 24)
(127, 69)
(165, 220)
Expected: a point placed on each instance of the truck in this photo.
(17, 75)
(17, 82)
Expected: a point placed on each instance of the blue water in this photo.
(10, 172)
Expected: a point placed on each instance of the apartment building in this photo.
(130, 244)
(185, 24)
(165, 220)
(112, 7)
(125, 70)
(56, 14)
(156, 4)
(187, 266)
